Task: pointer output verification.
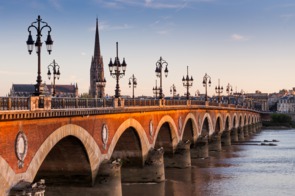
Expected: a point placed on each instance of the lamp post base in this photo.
(39, 89)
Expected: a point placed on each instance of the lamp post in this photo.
(100, 83)
(159, 66)
(173, 91)
(55, 74)
(242, 97)
(156, 90)
(218, 90)
(133, 82)
(187, 82)
(117, 70)
(229, 90)
(206, 81)
(38, 44)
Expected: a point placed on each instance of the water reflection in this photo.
(236, 170)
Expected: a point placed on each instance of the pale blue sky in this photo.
(247, 43)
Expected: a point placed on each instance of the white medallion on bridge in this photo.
(151, 128)
(105, 135)
(21, 148)
(179, 124)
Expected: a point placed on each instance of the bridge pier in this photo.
(258, 127)
(181, 158)
(241, 134)
(152, 171)
(246, 131)
(234, 135)
(225, 138)
(200, 149)
(108, 179)
(253, 129)
(215, 142)
(250, 129)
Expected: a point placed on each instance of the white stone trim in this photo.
(92, 149)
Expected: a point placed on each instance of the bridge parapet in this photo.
(14, 103)
(142, 102)
(94, 104)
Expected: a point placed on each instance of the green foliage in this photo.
(281, 118)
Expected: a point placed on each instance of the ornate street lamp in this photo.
(241, 98)
(229, 91)
(156, 90)
(133, 82)
(100, 83)
(187, 82)
(55, 74)
(219, 90)
(205, 83)
(173, 91)
(159, 66)
(38, 44)
(117, 70)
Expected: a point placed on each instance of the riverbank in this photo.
(277, 127)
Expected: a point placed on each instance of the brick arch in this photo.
(240, 122)
(221, 123)
(254, 120)
(196, 131)
(211, 129)
(227, 116)
(235, 118)
(92, 149)
(249, 119)
(6, 176)
(245, 119)
(173, 130)
(145, 145)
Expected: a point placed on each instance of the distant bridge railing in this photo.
(14, 103)
(15, 108)
(25, 103)
(141, 102)
(63, 103)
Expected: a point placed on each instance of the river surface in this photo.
(239, 170)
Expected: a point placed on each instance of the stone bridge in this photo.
(66, 143)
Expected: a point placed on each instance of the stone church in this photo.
(96, 69)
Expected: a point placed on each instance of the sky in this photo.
(249, 44)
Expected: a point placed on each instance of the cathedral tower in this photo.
(96, 69)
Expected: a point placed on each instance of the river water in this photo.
(239, 170)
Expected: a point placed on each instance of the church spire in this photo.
(97, 44)
(96, 68)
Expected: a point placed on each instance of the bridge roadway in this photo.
(86, 142)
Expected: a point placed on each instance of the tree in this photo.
(281, 118)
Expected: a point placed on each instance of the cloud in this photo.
(237, 37)
(163, 32)
(151, 4)
(163, 25)
(105, 26)
(164, 4)
(56, 4)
